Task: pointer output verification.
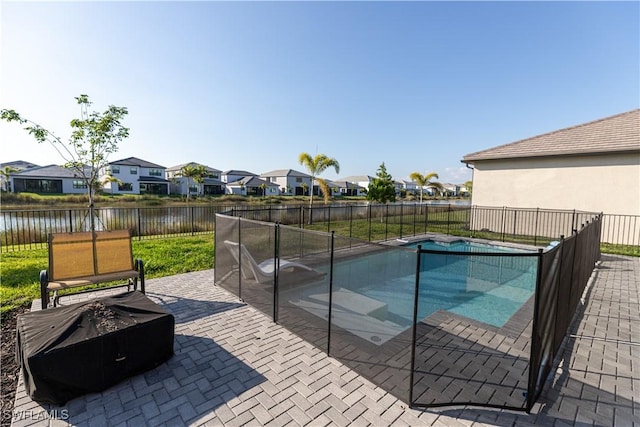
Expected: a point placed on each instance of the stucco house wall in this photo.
(605, 183)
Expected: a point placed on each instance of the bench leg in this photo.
(44, 292)
(139, 266)
(56, 298)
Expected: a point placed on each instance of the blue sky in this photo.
(251, 85)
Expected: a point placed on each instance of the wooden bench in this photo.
(89, 258)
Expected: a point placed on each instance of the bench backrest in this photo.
(73, 255)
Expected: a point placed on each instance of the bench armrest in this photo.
(44, 293)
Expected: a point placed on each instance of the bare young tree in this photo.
(94, 137)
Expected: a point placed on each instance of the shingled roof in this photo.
(615, 134)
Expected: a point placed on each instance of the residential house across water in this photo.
(135, 176)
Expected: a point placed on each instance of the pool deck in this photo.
(233, 366)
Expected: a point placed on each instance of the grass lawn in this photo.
(20, 270)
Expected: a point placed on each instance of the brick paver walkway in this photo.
(233, 366)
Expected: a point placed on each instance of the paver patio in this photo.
(233, 366)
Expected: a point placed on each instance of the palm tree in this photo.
(326, 190)
(316, 165)
(469, 186)
(194, 172)
(425, 181)
(263, 188)
(112, 180)
(6, 172)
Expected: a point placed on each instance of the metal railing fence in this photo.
(28, 229)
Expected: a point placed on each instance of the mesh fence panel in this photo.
(544, 338)
(564, 275)
(372, 312)
(474, 329)
(303, 303)
(578, 271)
(259, 264)
(226, 270)
(565, 314)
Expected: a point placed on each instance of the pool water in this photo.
(494, 306)
(462, 246)
(488, 289)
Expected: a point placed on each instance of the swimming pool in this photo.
(485, 288)
(373, 293)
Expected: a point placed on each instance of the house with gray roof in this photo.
(409, 186)
(233, 175)
(335, 190)
(9, 168)
(50, 179)
(362, 181)
(181, 185)
(252, 186)
(18, 165)
(135, 176)
(593, 166)
(174, 171)
(291, 182)
(347, 188)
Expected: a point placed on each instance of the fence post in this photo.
(139, 225)
(573, 221)
(401, 219)
(426, 218)
(535, 231)
(240, 258)
(369, 219)
(448, 217)
(276, 259)
(386, 222)
(329, 219)
(515, 222)
(558, 284)
(504, 213)
(70, 222)
(414, 332)
(535, 341)
(192, 220)
(350, 221)
(414, 219)
(330, 294)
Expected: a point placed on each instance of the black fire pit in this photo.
(69, 351)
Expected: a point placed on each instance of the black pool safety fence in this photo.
(436, 324)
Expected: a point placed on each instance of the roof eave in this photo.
(471, 160)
